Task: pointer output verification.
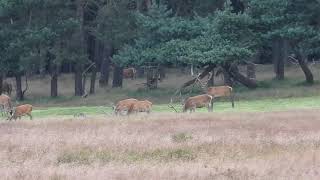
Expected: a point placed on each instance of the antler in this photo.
(171, 106)
(201, 84)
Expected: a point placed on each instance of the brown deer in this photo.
(124, 105)
(141, 106)
(129, 73)
(199, 101)
(221, 91)
(20, 111)
(5, 104)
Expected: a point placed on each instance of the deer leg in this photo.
(30, 116)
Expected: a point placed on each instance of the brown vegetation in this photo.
(277, 145)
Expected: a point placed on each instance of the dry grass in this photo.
(275, 145)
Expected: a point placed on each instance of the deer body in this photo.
(221, 91)
(5, 103)
(20, 111)
(141, 106)
(129, 73)
(124, 105)
(199, 101)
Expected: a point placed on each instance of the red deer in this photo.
(6, 88)
(124, 105)
(21, 110)
(141, 106)
(221, 91)
(199, 101)
(129, 73)
(5, 104)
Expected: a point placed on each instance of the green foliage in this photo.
(32, 29)
(116, 24)
(294, 20)
(223, 37)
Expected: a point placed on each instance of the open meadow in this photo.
(272, 133)
(242, 145)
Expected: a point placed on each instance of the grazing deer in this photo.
(221, 91)
(129, 73)
(21, 110)
(7, 88)
(5, 104)
(141, 106)
(124, 105)
(199, 101)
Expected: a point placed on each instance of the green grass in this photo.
(240, 106)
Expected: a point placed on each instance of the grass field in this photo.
(265, 105)
(272, 133)
(239, 145)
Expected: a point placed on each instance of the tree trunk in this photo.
(93, 80)
(1, 83)
(162, 72)
(140, 72)
(280, 54)
(79, 91)
(211, 80)
(236, 75)
(105, 53)
(285, 51)
(84, 85)
(54, 85)
(226, 77)
(19, 94)
(201, 76)
(54, 80)
(91, 48)
(152, 78)
(78, 80)
(304, 66)
(117, 76)
(251, 71)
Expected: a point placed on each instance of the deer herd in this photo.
(130, 106)
(13, 112)
(127, 106)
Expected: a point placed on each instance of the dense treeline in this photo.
(50, 37)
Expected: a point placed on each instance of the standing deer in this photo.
(199, 101)
(221, 91)
(20, 111)
(129, 73)
(124, 105)
(141, 106)
(5, 104)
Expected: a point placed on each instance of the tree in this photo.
(115, 27)
(222, 38)
(290, 22)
